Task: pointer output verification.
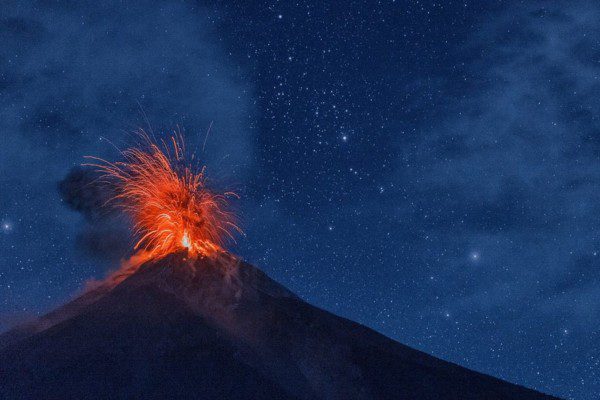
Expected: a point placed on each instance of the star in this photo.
(6, 226)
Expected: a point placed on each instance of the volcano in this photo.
(218, 328)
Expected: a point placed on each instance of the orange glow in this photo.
(169, 203)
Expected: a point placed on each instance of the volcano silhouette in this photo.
(202, 328)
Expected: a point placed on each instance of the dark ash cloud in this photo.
(105, 233)
(82, 191)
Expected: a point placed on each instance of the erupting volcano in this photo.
(184, 319)
(168, 200)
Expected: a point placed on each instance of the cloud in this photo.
(511, 168)
(106, 232)
(73, 74)
(82, 191)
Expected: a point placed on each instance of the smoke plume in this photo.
(105, 234)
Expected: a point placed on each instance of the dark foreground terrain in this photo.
(219, 329)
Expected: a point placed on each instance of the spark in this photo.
(168, 200)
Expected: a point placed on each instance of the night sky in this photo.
(428, 169)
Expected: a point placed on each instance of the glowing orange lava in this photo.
(168, 201)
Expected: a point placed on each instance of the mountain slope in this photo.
(215, 329)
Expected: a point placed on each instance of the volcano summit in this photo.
(218, 328)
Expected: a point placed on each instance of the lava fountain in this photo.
(168, 200)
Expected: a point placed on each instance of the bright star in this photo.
(6, 226)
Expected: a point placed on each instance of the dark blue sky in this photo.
(429, 169)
